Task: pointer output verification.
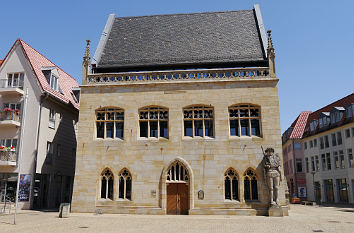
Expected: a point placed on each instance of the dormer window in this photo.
(349, 111)
(337, 114)
(52, 75)
(324, 119)
(54, 82)
(313, 125)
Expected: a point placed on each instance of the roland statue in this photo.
(272, 175)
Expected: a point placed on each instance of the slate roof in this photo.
(38, 61)
(197, 38)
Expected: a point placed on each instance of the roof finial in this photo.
(86, 63)
(87, 50)
(271, 55)
(270, 42)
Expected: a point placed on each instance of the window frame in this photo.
(202, 108)
(125, 174)
(20, 79)
(51, 123)
(231, 177)
(107, 178)
(54, 82)
(159, 110)
(250, 178)
(114, 111)
(249, 107)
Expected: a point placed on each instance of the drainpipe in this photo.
(37, 141)
(20, 152)
(295, 171)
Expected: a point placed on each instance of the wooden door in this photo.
(177, 198)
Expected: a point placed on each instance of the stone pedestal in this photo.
(275, 212)
(64, 210)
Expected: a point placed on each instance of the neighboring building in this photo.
(49, 118)
(293, 157)
(174, 114)
(328, 147)
(1, 62)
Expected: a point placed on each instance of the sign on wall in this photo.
(25, 187)
(302, 191)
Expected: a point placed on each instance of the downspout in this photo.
(295, 169)
(43, 98)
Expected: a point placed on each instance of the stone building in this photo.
(293, 157)
(328, 143)
(39, 127)
(174, 110)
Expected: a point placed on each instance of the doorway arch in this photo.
(177, 187)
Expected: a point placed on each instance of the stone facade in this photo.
(148, 160)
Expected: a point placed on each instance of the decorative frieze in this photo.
(180, 75)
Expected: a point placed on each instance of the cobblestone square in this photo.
(301, 219)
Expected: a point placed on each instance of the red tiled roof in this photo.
(66, 82)
(299, 125)
(1, 62)
(345, 101)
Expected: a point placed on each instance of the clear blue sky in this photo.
(314, 40)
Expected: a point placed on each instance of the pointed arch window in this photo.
(110, 123)
(177, 173)
(231, 185)
(198, 121)
(245, 120)
(250, 185)
(125, 185)
(153, 122)
(107, 184)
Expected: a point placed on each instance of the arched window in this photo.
(153, 122)
(245, 120)
(110, 123)
(177, 173)
(231, 185)
(125, 185)
(107, 184)
(198, 121)
(250, 185)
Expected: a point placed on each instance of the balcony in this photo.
(178, 76)
(11, 88)
(9, 117)
(7, 158)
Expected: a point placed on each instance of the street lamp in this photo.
(313, 183)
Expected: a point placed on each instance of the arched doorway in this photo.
(177, 187)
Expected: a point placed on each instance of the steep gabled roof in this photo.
(183, 39)
(66, 82)
(299, 125)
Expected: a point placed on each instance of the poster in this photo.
(25, 185)
(302, 191)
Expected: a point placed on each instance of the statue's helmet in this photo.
(269, 150)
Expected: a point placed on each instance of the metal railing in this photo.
(10, 115)
(4, 83)
(9, 156)
(180, 75)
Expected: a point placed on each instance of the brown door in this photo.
(177, 198)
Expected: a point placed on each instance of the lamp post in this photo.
(313, 183)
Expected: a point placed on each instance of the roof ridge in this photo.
(22, 41)
(333, 103)
(192, 13)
